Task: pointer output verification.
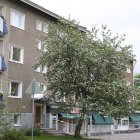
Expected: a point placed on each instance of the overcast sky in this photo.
(121, 16)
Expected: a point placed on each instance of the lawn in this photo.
(48, 137)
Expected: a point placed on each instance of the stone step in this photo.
(51, 131)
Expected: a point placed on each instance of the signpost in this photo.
(33, 88)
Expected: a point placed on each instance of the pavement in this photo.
(124, 136)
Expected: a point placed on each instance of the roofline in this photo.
(42, 9)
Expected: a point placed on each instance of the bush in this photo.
(13, 135)
(28, 132)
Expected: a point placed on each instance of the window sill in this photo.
(16, 62)
(18, 27)
(15, 97)
(17, 125)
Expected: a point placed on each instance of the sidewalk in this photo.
(124, 136)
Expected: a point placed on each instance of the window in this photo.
(42, 86)
(41, 26)
(16, 54)
(17, 119)
(38, 44)
(41, 45)
(128, 83)
(124, 122)
(17, 19)
(15, 89)
(42, 69)
(1, 93)
(37, 69)
(128, 70)
(44, 46)
(45, 28)
(59, 98)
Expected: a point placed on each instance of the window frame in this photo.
(11, 46)
(41, 45)
(20, 86)
(43, 27)
(37, 23)
(21, 17)
(40, 70)
(18, 120)
(44, 89)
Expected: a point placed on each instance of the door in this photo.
(54, 121)
(38, 116)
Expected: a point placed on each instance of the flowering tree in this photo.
(87, 68)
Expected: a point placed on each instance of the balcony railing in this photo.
(2, 64)
(3, 27)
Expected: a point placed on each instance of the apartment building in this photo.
(23, 25)
(26, 24)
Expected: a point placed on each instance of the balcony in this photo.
(2, 64)
(1, 28)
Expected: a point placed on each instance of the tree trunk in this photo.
(78, 127)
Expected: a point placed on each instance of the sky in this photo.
(120, 16)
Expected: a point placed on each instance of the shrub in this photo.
(13, 135)
(28, 132)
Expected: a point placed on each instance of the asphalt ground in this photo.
(124, 136)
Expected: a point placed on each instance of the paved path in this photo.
(124, 136)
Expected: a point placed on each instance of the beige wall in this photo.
(26, 39)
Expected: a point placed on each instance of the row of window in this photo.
(16, 54)
(15, 88)
(18, 20)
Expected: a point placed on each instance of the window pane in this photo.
(44, 47)
(39, 25)
(45, 28)
(17, 19)
(16, 54)
(38, 44)
(14, 89)
(41, 68)
(15, 119)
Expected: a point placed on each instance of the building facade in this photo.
(26, 23)
(23, 25)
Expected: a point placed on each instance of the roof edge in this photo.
(42, 9)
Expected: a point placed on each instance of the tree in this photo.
(5, 116)
(87, 68)
(137, 75)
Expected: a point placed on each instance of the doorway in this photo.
(38, 116)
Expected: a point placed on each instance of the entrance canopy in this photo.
(102, 120)
(135, 117)
(68, 116)
(38, 96)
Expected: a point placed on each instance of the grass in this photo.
(50, 137)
